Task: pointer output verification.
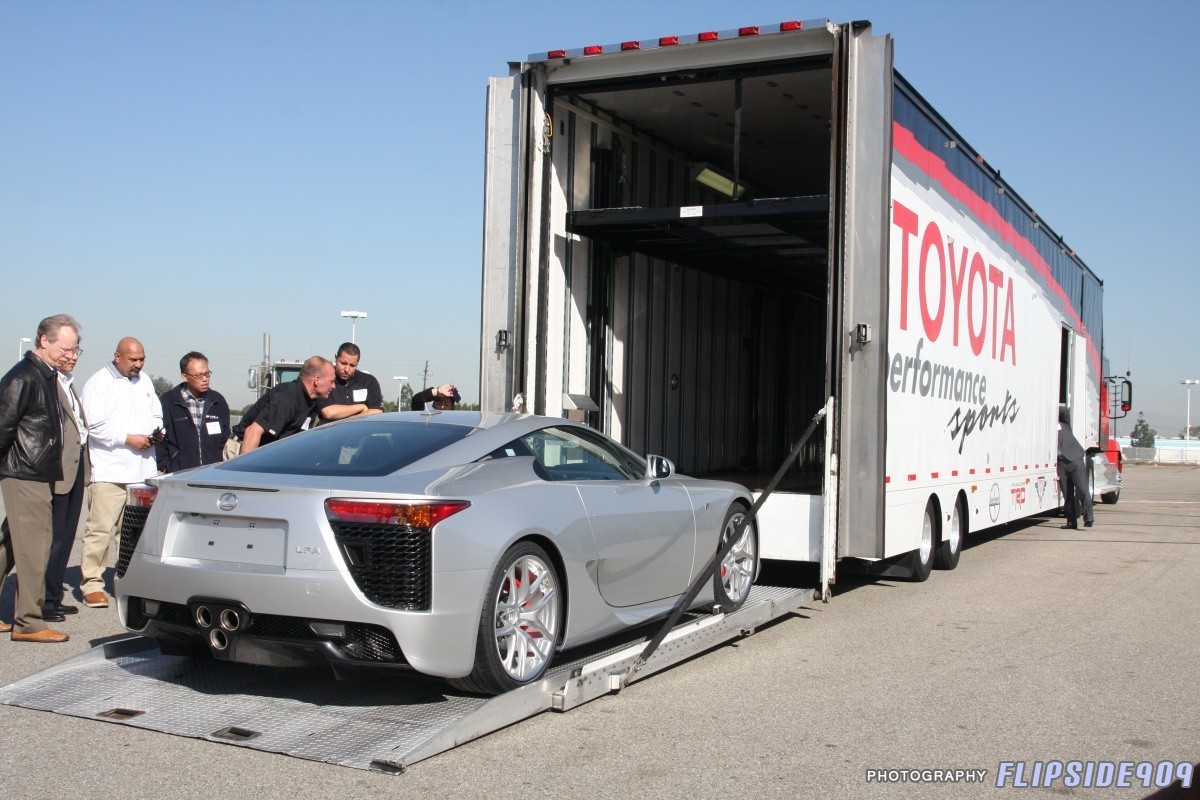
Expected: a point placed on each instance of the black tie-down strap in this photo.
(709, 570)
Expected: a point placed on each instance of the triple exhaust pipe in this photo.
(219, 623)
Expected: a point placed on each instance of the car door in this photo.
(645, 530)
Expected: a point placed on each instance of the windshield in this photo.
(353, 449)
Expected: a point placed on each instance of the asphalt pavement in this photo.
(1044, 645)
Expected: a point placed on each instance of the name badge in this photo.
(360, 395)
(307, 422)
(213, 427)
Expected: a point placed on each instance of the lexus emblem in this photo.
(227, 502)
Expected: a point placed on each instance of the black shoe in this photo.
(61, 608)
(1087, 524)
(50, 615)
(1071, 526)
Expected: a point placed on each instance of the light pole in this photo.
(1187, 431)
(399, 389)
(21, 346)
(354, 316)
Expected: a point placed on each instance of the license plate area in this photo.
(238, 540)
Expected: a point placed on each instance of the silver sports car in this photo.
(457, 544)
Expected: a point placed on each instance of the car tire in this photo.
(520, 624)
(951, 544)
(920, 561)
(738, 570)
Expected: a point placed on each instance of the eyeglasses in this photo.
(72, 351)
(199, 375)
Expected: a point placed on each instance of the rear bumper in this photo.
(280, 609)
(266, 640)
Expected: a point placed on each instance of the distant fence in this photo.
(1174, 453)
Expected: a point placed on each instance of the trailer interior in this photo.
(707, 312)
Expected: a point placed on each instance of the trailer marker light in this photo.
(791, 25)
(709, 36)
(631, 46)
(667, 41)
(557, 54)
(749, 30)
(593, 50)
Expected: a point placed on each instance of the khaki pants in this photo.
(105, 504)
(25, 538)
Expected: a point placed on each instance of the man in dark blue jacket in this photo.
(195, 419)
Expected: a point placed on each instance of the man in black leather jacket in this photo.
(30, 461)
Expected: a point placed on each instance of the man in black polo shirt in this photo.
(354, 393)
(288, 408)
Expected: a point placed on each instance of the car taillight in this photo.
(417, 515)
(140, 496)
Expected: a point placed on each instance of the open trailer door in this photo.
(859, 285)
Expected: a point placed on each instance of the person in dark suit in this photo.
(67, 502)
(1073, 473)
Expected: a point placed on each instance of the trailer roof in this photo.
(704, 37)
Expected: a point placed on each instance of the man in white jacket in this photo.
(123, 417)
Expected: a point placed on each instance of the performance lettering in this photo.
(914, 375)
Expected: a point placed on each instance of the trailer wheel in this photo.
(951, 544)
(520, 624)
(739, 568)
(920, 561)
(1111, 498)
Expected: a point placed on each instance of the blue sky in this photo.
(198, 173)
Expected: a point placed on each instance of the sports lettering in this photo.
(957, 288)
(967, 420)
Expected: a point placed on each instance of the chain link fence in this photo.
(1171, 453)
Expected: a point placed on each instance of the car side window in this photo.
(511, 450)
(571, 455)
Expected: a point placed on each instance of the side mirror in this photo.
(658, 468)
(1123, 388)
(253, 378)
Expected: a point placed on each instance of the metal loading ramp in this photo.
(385, 724)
